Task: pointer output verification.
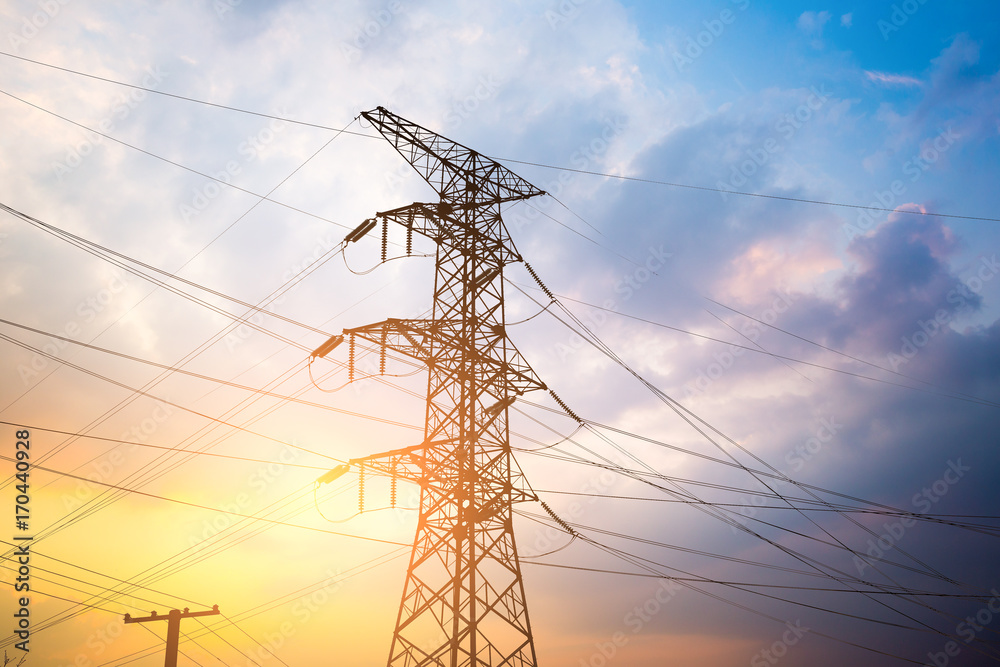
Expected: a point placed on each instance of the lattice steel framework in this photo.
(463, 599)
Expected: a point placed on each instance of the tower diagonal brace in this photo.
(463, 602)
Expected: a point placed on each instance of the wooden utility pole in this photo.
(173, 628)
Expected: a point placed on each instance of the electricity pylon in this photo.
(463, 599)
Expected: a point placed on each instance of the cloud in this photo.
(892, 79)
(847, 20)
(587, 93)
(903, 277)
(812, 23)
(960, 90)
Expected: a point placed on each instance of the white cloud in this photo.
(588, 92)
(812, 23)
(892, 79)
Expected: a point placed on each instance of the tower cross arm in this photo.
(423, 339)
(447, 222)
(456, 172)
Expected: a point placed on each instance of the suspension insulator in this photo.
(392, 487)
(361, 489)
(385, 239)
(565, 526)
(565, 407)
(381, 357)
(409, 237)
(539, 281)
(350, 360)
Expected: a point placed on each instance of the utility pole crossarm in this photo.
(173, 620)
(163, 617)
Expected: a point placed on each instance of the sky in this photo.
(781, 219)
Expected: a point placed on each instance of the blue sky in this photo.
(895, 105)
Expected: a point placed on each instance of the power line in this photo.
(169, 161)
(524, 162)
(958, 396)
(187, 99)
(689, 417)
(200, 376)
(164, 448)
(204, 507)
(751, 194)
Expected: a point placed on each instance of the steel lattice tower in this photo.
(463, 600)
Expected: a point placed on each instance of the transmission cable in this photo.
(500, 159)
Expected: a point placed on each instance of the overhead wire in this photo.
(743, 193)
(890, 591)
(200, 552)
(590, 172)
(296, 279)
(148, 445)
(173, 162)
(181, 371)
(956, 396)
(196, 505)
(282, 599)
(228, 643)
(685, 413)
(274, 295)
(688, 583)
